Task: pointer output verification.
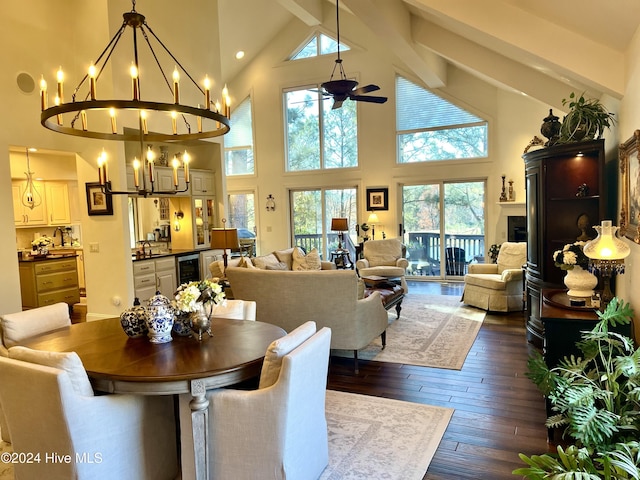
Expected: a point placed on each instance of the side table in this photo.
(342, 259)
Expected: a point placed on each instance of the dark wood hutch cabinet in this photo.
(563, 182)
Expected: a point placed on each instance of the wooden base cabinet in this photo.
(564, 183)
(49, 281)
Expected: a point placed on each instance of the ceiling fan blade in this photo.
(337, 104)
(365, 89)
(367, 98)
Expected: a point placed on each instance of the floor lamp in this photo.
(340, 225)
(223, 239)
(606, 255)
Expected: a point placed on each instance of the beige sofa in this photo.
(328, 297)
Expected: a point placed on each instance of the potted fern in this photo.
(596, 398)
(586, 120)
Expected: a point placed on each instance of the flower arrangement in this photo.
(570, 256)
(493, 252)
(43, 241)
(191, 296)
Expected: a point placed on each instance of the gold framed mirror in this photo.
(629, 156)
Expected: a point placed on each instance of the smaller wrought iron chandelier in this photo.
(31, 198)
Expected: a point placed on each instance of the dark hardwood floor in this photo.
(498, 411)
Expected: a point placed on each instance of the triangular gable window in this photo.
(319, 44)
(432, 128)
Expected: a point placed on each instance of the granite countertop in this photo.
(176, 252)
(51, 256)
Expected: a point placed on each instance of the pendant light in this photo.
(31, 198)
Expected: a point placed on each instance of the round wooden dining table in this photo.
(185, 366)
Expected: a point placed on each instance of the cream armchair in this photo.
(51, 409)
(280, 430)
(384, 258)
(497, 287)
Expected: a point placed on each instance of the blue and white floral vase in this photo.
(160, 316)
(134, 320)
(182, 324)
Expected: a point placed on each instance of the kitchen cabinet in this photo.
(163, 180)
(150, 276)
(58, 209)
(206, 258)
(563, 182)
(45, 282)
(25, 216)
(202, 182)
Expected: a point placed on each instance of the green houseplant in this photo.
(596, 398)
(586, 120)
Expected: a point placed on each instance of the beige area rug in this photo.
(432, 331)
(369, 437)
(376, 438)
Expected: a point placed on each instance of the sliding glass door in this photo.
(444, 227)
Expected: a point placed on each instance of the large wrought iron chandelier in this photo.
(87, 115)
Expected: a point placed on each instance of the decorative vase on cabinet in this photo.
(565, 186)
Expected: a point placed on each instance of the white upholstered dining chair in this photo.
(16, 327)
(278, 431)
(235, 309)
(50, 409)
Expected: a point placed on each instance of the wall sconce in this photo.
(271, 203)
(606, 257)
(177, 220)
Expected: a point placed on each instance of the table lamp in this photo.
(372, 220)
(340, 225)
(606, 255)
(223, 239)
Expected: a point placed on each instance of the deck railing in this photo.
(423, 250)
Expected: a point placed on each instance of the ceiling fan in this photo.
(343, 88)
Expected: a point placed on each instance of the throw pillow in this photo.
(286, 256)
(217, 269)
(262, 262)
(281, 347)
(68, 361)
(278, 266)
(310, 261)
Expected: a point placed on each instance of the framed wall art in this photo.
(377, 199)
(98, 202)
(629, 157)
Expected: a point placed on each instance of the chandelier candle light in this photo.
(606, 257)
(212, 120)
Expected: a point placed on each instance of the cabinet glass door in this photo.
(199, 222)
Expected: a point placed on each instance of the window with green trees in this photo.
(319, 44)
(318, 137)
(430, 128)
(312, 211)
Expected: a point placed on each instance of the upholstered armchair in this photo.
(16, 327)
(280, 430)
(384, 258)
(50, 409)
(497, 287)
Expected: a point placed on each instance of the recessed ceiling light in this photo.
(239, 54)
(33, 149)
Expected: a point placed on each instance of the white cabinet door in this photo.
(25, 216)
(58, 203)
(202, 182)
